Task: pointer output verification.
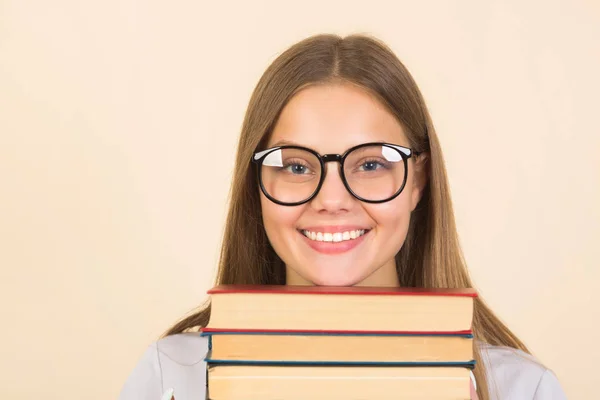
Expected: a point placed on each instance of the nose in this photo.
(333, 197)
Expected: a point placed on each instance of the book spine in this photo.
(220, 331)
(461, 364)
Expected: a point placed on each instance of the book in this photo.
(242, 382)
(338, 348)
(274, 308)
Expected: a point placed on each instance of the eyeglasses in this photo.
(371, 172)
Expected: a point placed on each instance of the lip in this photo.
(333, 228)
(333, 247)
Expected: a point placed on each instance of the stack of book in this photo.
(301, 342)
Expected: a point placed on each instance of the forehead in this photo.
(334, 117)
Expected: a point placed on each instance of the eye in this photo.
(371, 165)
(296, 168)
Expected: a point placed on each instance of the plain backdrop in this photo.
(118, 126)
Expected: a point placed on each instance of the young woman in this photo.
(339, 181)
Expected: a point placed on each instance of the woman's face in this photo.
(331, 119)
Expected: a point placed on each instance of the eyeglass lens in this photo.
(374, 173)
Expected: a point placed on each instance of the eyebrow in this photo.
(284, 142)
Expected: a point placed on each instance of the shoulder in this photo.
(175, 362)
(184, 348)
(514, 374)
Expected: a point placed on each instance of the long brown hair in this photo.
(431, 255)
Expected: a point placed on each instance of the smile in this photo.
(335, 236)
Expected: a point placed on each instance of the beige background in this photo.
(118, 121)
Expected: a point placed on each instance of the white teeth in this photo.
(333, 237)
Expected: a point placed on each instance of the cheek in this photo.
(392, 218)
(279, 221)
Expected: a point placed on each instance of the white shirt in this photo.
(177, 362)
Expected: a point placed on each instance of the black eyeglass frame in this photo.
(405, 152)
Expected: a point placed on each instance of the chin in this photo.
(338, 278)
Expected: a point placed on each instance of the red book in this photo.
(284, 308)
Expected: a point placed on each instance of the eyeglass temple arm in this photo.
(260, 154)
(405, 150)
